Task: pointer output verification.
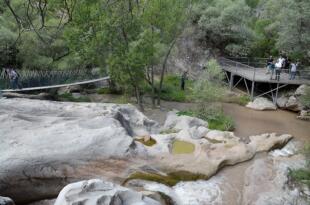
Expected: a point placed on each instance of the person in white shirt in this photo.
(293, 71)
(279, 66)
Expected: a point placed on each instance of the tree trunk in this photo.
(139, 99)
(153, 87)
(164, 69)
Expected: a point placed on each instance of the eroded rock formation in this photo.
(47, 145)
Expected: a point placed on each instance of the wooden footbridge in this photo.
(104, 79)
(252, 76)
(38, 80)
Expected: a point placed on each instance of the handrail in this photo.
(303, 74)
(58, 86)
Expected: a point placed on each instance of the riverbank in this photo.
(247, 121)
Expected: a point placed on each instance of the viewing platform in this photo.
(254, 75)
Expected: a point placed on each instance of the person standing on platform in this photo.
(279, 66)
(268, 64)
(293, 71)
(183, 79)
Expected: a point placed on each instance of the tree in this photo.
(128, 37)
(168, 18)
(37, 30)
(289, 20)
(209, 87)
(225, 25)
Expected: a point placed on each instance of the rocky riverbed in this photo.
(103, 152)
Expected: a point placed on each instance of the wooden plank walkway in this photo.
(57, 86)
(259, 74)
(262, 77)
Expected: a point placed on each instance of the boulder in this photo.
(96, 191)
(45, 145)
(304, 115)
(281, 102)
(41, 96)
(176, 122)
(301, 90)
(6, 201)
(70, 89)
(266, 182)
(293, 104)
(261, 103)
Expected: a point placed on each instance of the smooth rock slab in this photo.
(96, 191)
(261, 103)
(44, 144)
(6, 201)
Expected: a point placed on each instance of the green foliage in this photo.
(170, 179)
(303, 175)
(209, 87)
(224, 24)
(107, 90)
(214, 115)
(128, 37)
(240, 100)
(172, 89)
(256, 27)
(305, 99)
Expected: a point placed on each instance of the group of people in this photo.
(283, 63)
(13, 77)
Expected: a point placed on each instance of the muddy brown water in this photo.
(250, 122)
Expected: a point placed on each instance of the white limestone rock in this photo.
(70, 89)
(261, 103)
(266, 182)
(301, 90)
(174, 121)
(6, 201)
(281, 102)
(304, 115)
(43, 142)
(96, 191)
(293, 104)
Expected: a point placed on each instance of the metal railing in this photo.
(39, 78)
(237, 67)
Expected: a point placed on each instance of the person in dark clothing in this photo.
(14, 77)
(183, 79)
(286, 65)
(268, 64)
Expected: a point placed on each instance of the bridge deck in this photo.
(261, 76)
(57, 86)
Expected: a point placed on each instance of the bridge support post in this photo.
(231, 82)
(252, 90)
(277, 92)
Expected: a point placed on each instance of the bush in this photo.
(209, 87)
(303, 175)
(305, 99)
(171, 90)
(107, 90)
(214, 115)
(240, 100)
